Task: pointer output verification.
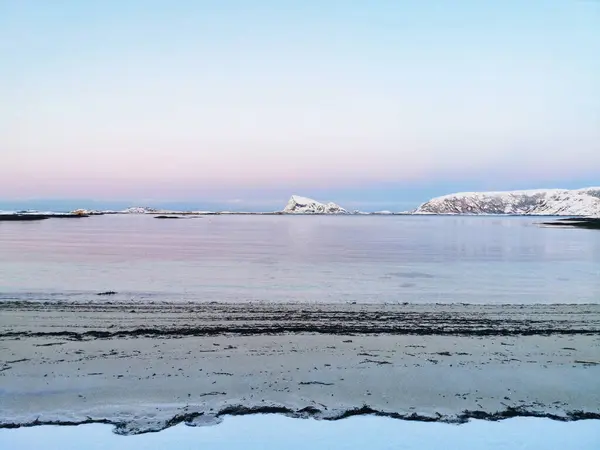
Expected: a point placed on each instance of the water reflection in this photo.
(278, 258)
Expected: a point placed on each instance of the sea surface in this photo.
(363, 259)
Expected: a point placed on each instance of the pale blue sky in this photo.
(376, 104)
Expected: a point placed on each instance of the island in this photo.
(540, 202)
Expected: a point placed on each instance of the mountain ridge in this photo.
(534, 202)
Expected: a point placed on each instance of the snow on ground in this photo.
(356, 433)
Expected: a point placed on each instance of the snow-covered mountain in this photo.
(550, 202)
(303, 205)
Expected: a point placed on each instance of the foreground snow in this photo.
(277, 432)
(550, 202)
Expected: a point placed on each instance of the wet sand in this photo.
(147, 367)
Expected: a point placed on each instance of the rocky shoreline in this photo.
(36, 217)
(589, 223)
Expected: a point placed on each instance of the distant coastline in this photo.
(540, 202)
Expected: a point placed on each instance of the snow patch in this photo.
(276, 432)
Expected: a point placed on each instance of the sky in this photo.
(237, 105)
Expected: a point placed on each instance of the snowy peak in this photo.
(549, 202)
(303, 205)
(593, 191)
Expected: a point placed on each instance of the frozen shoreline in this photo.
(151, 367)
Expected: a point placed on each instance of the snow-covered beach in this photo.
(147, 368)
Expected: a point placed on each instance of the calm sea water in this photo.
(364, 259)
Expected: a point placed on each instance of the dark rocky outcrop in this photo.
(22, 217)
(590, 223)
